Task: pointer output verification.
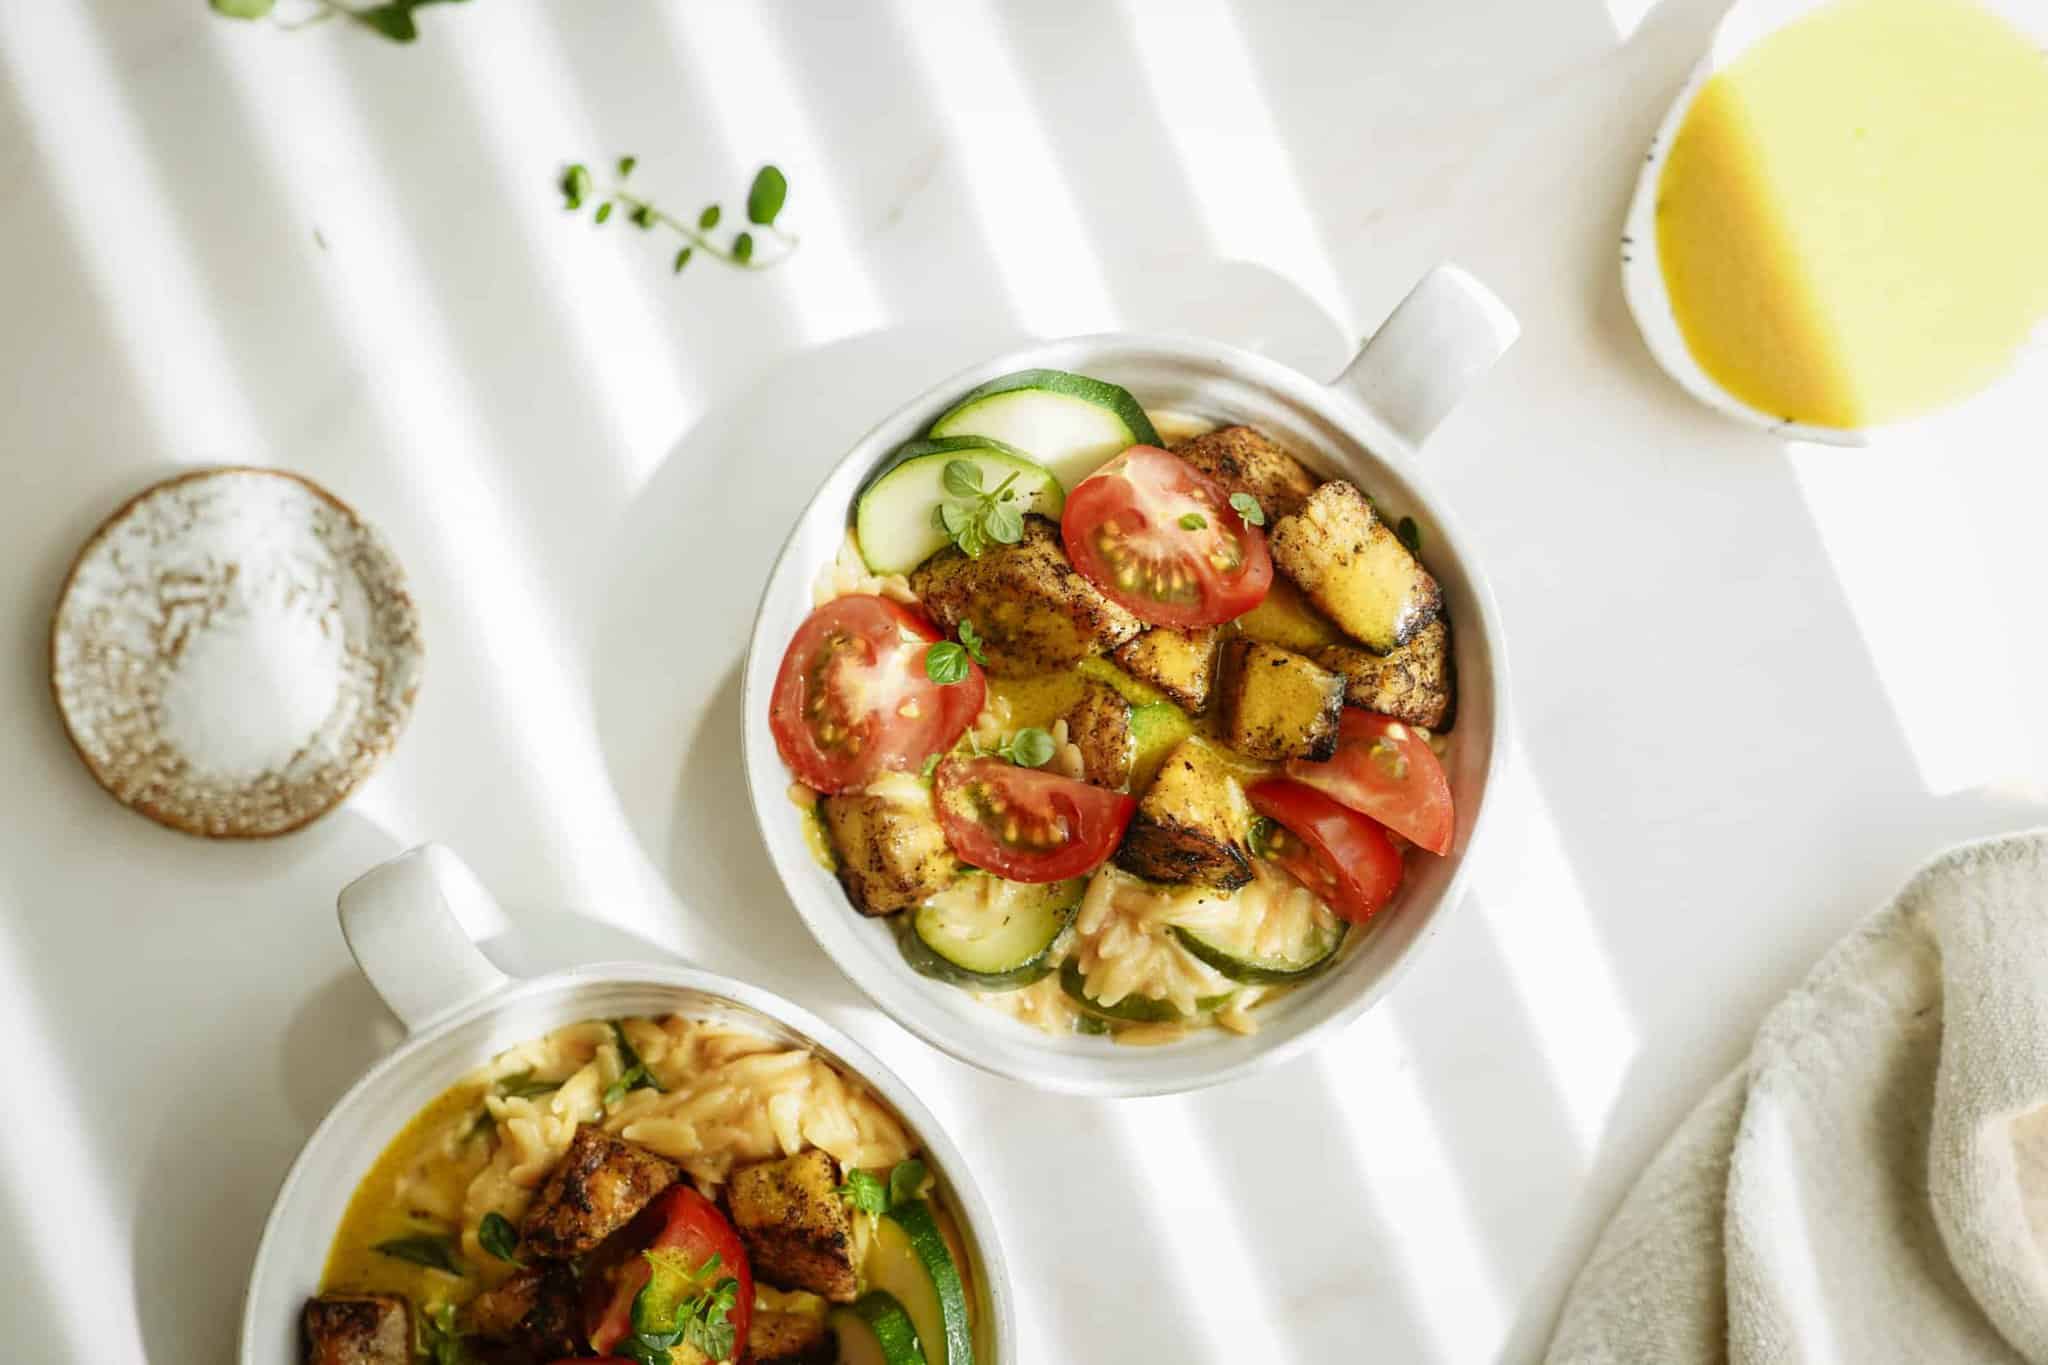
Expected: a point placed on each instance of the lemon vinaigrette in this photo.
(1853, 220)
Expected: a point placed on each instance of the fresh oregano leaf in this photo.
(1247, 506)
(708, 219)
(244, 9)
(945, 663)
(865, 1191)
(765, 196)
(1004, 524)
(497, 1236)
(961, 478)
(908, 1177)
(743, 247)
(433, 1252)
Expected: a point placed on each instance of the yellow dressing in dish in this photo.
(1853, 220)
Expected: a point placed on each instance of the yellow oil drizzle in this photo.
(434, 1153)
(1852, 219)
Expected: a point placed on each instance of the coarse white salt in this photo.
(252, 688)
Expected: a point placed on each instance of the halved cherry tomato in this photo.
(1337, 853)
(853, 699)
(682, 1221)
(1382, 768)
(1160, 537)
(1027, 825)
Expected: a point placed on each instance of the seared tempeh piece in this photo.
(596, 1188)
(1180, 663)
(892, 849)
(534, 1315)
(1193, 823)
(790, 1329)
(1034, 613)
(1412, 684)
(1353, 566)
(358, 1329)
(1100, 726)
(1244, 461)
(793, 1222)
(1278, 705)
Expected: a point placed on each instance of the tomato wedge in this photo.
(1160, 538)
(853, 700)
(1027, 825)
(682, 1221)
(1384, 769)
(1337, 853)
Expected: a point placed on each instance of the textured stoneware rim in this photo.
(995, 1043)
(398, 595)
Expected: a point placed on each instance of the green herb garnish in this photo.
(1261, 836)
(1030, 747)
(905, 1181)
(981, 518)
(678, 1305)
(945, 663)
(1193, 521)
(497, 1236)
(764, 203)
(438, 1340)
(633, 1075)
(427, 1249)
(869, 1193)
(392, 19)
(865, 1191)
(1247, 506)
(973, 642)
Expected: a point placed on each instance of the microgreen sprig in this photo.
(392, 19)
(497, 1236)
(868, 1193)
(945, 663)
(980, 518)
(679, 1305)
(765, 198)
(1247, 506)
(1030, 747)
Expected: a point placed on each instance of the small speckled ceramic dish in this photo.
(234, 652)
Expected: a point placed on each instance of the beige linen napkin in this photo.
(1872, 1185)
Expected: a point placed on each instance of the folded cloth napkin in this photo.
(1872, 1185)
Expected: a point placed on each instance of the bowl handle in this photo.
(1425, 357)
(407, 940)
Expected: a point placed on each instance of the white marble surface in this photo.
(1754, 685)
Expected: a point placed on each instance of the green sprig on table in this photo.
(765, 198)
(392, 19)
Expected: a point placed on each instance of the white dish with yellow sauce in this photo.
(740, 1075)
(1366, 426)
(1838, 226)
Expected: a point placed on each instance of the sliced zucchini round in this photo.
(991, 934)
(1132, 1009)
(1068, 422)
(908, 1259)
(893, 515)
(1314, 952)
(876, 1331)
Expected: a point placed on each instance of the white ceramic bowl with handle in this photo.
(459, 1011)
(1366, 426)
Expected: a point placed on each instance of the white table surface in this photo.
(1754, 686)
